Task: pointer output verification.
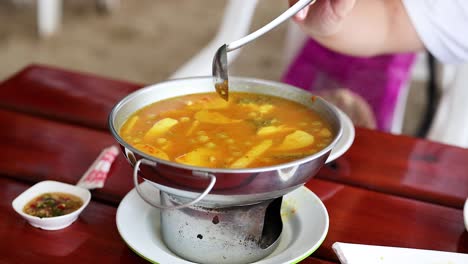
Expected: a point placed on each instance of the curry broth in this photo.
(250, 130)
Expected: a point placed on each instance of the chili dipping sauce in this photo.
(53, 204)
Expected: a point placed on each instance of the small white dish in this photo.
(305, 226)
(50, 223)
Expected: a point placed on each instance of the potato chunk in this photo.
(251, 155)
(212, 117)
(210, 104)
(270, 130)
(202, 157)
(297, 139)
(260, 108)
(130, 124)
(192, 127)
(159, 128)
(265, 108)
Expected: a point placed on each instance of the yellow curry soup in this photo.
(250, 130)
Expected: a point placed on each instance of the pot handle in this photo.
(146, 199)
(346, 139)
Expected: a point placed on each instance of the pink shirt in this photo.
(377, 79)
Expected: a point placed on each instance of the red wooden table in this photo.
(386, 190)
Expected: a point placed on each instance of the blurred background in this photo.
(144, 41)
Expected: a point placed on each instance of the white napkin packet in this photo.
(97, 173)
(367, 254)
(465, 214)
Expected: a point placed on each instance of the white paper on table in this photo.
(367, 254)
(465, 214)
(97, 173)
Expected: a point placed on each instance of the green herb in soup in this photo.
(53, 204)
(249, 130)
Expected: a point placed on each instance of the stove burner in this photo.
(237, 234)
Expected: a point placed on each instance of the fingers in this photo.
(324, 17)
(302, 14)
(356, 107)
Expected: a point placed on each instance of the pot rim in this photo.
(290, 164)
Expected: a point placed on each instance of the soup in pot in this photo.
(250, 130)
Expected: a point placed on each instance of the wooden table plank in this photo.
(377, 164)
(313, 260)
(35, 144)
(74, 97)
(368, 217)
(413, 168)
(404, 166)
(93, 238)
(36, 149)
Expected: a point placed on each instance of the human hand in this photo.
(356, 107)
(323, 18)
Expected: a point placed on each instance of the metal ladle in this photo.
(219, 68)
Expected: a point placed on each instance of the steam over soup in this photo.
(250, 130)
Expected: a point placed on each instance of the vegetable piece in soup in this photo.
(250, 130)
(53, 204)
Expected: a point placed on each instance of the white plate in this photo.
(346, 139)
(305, 221)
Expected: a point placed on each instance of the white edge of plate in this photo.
(324, 235)
(268, 259)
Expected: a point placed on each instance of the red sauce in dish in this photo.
(53, 204)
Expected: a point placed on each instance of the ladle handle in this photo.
(274, 23)
(146, 199)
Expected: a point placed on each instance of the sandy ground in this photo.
(144, 41)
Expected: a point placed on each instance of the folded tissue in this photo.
(367, 254)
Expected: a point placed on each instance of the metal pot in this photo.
(215, 187)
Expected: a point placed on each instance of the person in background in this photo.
(365, 88)
(360, 52)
